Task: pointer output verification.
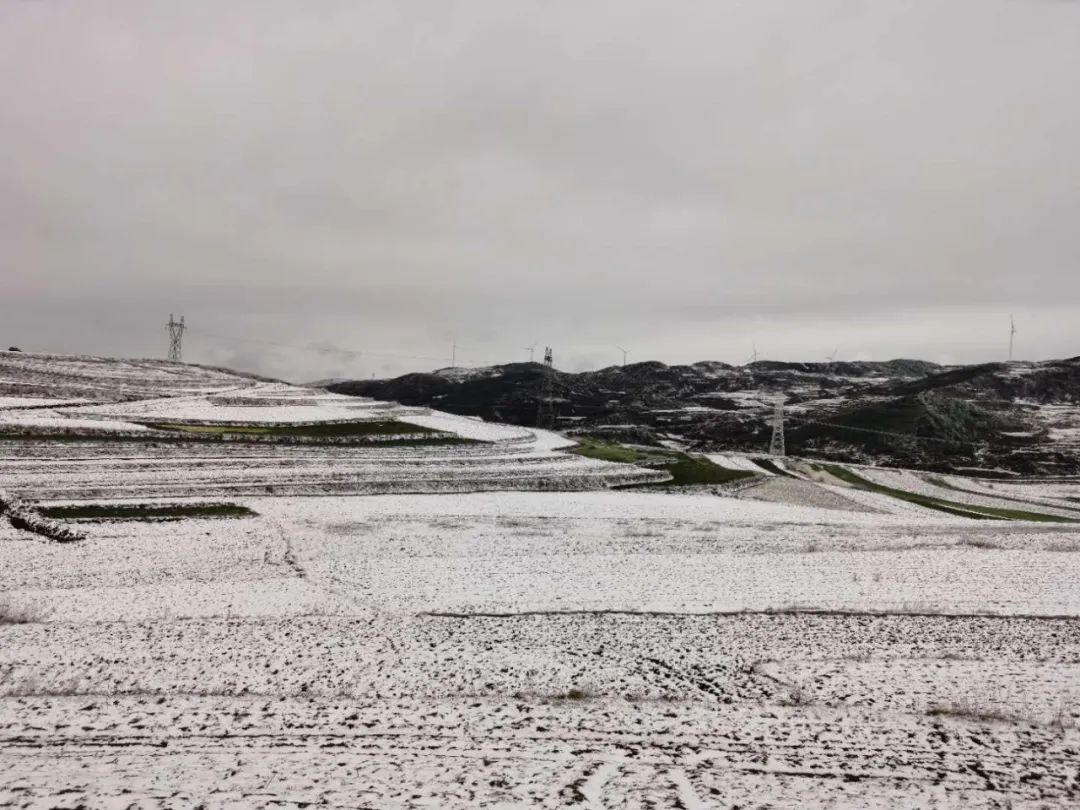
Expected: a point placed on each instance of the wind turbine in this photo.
(753, 357)
(831, 360)
(624, 353)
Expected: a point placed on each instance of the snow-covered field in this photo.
(154, 463)
(107, 379)
(473, 642)
(531, 649)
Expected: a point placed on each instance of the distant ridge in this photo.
(1019, 417)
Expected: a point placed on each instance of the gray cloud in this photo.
(893, 178)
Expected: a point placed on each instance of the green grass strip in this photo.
(685, 469)
(771, 466)
(146, 511)
(940, 504)
(688, 470)
(941, 482)
(619, 453)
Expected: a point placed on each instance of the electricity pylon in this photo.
(776, 446)
(1012, 336)
(545, 409)
(176, 338)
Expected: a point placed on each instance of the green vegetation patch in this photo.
(940, 504)
(611, 451)
(146, 511)
(326, 430)
(685, 469)
(771, 466)
(941, 482)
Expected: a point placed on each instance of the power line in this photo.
(776, 446)
(176, 338)
(545, 409)
(333, 349)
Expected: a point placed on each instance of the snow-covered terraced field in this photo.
(263, 403)
(36, 402)
(1031, 493)
(108, 451)
(108, 379)
(798, 643)
(785, 490)
(74, 471)
(961, 492)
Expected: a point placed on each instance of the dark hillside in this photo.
(1020, 417)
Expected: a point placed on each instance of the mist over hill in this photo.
(1019, 417)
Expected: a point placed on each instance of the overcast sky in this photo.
(885, 179)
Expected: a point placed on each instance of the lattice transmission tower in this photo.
(776, 446)
(176, 338)
(545, 409)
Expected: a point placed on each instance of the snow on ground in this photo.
(217, 471)
(517, 552)
(879, 502)
(924, 484)
(52, 419)
(106, 378)
(1033, 493)
(793, 468)
(469, 428)
(293, 657)
(781, 489)
(676, 553)
(746, 399)
(308, 630)
(37, 402)
(802, 645)
(506, 457)
(388, 754)
(733, 462)
(262, 404)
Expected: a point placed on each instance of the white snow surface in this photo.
(961, 492)
(309, 629)
(106, 378)
(470, 428)
(50, 418)
(266, 403)
(511, 649)
(731, 461)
